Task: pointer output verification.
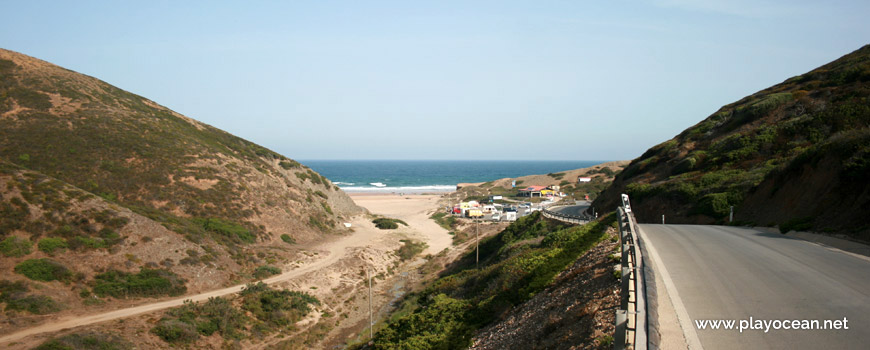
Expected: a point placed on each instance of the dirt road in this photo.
(413, 211)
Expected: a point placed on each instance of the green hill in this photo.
(106, 196)
(795, 155)
(133, 152)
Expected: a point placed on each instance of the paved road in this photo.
(577, 209)
(738, 273)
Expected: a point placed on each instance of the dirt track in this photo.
(414, 211)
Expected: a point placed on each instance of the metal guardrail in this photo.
(631, 317)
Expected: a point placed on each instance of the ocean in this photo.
(417, 176)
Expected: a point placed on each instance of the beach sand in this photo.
(414, 209)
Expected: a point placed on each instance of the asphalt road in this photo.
(577, 209)
(737, 273)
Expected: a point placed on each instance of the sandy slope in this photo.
(414, 210)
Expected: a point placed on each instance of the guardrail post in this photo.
(621, 327)
(624, 288)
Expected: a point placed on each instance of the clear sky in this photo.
(574, 80)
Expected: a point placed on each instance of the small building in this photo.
(532, 191)
(583, 179)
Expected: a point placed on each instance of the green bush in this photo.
(188, 322)
(387, 223)
(14, 246)
(289, 164)
(14, 294)
(43, 270)
(35, 304)
(287, 239)
(86, 341)
(173, 330)
(410, 249)
(276, 308)
(147, 283)
(226, 229)
(50, 244)
(266, 271)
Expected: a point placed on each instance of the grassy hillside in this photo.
(131, 151)
(795, 155)
(515, 265)
(106, 197)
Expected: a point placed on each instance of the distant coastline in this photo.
(429, 176)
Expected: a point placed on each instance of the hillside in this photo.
(796, 155)
(106, 197)
(532, 265)
(601, 175)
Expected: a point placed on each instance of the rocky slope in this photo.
(795, 155)
(105, 194)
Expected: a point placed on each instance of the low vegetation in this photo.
(145, 283)
(387, 223)
(445, 220)
(799, 149)
(287, 239)
(266, 271)
(259, 310)
(15, 247)
(16, 297)
(86, 341)
(410, 249)
(516, 264)
(50, 245)
(43, 270)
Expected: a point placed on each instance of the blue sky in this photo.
(574, 80)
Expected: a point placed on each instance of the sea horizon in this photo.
(424, 176)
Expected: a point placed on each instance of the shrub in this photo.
(173, 330)
(387, 223)
(86, 341)
(276, 308)
(35, 304)
(186, 323)
(289, 164)
(287, 239)
(50, 244)
(14, 294)
(148, 282)
(410, 249)
(266, 271)
(43, 270)
(14, 246)
(229, 230)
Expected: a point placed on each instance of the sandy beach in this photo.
(415, 210)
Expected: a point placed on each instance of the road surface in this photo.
(576, 210)
(736, 273)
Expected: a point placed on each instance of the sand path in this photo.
(413, 211)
